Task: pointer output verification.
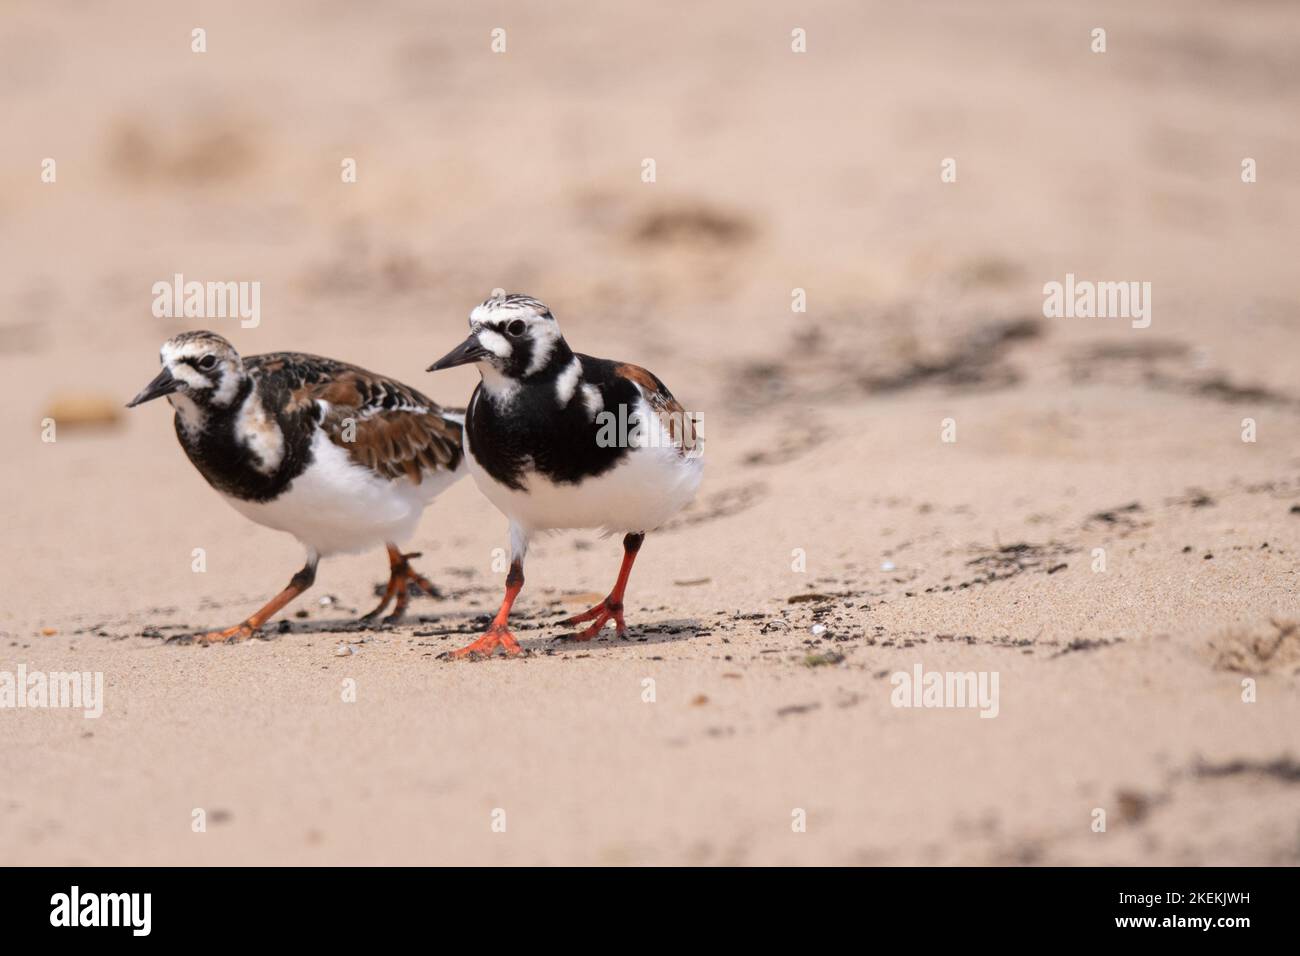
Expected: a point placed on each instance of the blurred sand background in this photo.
(1119, 690)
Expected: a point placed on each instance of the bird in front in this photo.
(339, 457)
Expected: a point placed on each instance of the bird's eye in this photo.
(208, 363)
(516, 328)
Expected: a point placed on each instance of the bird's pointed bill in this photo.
(471, 350)
(164, 384)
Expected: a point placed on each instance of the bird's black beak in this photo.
(468, 351)
(164, 384)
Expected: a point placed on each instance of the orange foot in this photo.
(401, 576)
(485, 645)
(604, 612)
(231, 635)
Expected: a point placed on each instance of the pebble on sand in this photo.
(83, 410)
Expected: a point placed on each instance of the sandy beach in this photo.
(919, 469)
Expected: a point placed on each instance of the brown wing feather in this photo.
(392, 442)
(680, 426)
(382, 424)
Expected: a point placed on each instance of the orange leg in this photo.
(400, 574)
(612, 607)
(243, 631)
(497, 634)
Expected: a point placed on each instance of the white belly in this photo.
(645, 489)
(337, 506)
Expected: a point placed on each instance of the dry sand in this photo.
(1120, 690)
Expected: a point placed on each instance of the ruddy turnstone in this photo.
(339, 457)
(561, 440)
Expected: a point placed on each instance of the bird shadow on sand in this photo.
(543, 635)
(539, 633)
(562, 640)
(189, 634)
